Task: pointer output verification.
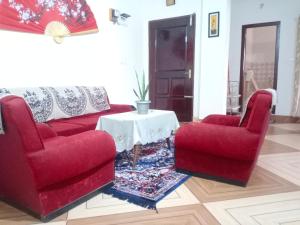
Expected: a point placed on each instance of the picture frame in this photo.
(170, 2)
(213, 24)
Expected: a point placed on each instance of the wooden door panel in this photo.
(171, 65)
(177, 87)
(171, 49)
(162, 86)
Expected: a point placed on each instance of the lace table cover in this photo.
(131, 128)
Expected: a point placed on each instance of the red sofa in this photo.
(221, 147)
(48, 168)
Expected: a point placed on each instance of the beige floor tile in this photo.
(291, 140)
(288, 126)
(274, 209)
(285, 165)
(52, 223)
(270, 147)
(102, 204)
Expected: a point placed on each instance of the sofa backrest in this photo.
(257, 114)
(48, 103)
(20, 132)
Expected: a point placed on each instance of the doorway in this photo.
(171, 65)
(259, 58)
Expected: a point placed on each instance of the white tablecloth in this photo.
(130, 128)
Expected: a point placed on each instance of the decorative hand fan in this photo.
(58, 18)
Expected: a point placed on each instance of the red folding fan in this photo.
(53, 17)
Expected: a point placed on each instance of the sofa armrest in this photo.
(226, 120)
(223, 141)
(71, 156)
(119, 108)
(45, 130)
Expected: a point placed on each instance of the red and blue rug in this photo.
(153, 177)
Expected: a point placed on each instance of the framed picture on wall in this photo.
(170, 2)
(213, 24)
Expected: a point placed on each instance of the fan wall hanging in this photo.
(58, 18)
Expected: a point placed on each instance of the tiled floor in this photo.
(272, 196)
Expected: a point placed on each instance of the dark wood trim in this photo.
(214, 178)
(284, 119)
(244, 27)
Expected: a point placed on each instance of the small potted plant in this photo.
(142, 104)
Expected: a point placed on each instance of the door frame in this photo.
(244, 28)
(151, 63)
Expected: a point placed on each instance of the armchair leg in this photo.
(214, 178)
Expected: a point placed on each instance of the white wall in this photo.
(211, 54)
(252, 11)
(109, 57)
(214, 60)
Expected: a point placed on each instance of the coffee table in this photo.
(132, 130)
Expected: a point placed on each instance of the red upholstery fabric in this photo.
(59, 195)
(45, 131)
(219, 148)
(57, 156)
(228, 120)
(62, 128)
(218, 140)
(78, 124)
(45, 174)
(19, 113)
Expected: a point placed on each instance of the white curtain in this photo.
(296, 100)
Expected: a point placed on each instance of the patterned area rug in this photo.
(153, 177)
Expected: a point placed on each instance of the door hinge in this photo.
(186, 38)
(155, 43)
(191, 20)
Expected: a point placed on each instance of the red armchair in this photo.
(222, 148)
(46, 174)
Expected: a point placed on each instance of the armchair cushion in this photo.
(227, 142)
(226, 120)
(66, 157)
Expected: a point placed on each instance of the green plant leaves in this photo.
(143, 88)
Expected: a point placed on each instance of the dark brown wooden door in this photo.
(171, 65)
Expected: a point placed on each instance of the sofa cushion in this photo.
(74, 125)
(66, 129)
(89, 122)
(67, 157)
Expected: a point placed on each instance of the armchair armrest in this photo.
(223, 141)
(119, 108)
(68, 157)
(226, 120)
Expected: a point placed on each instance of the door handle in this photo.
(189, 73)
(188, 96)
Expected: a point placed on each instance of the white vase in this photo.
(142, 106)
